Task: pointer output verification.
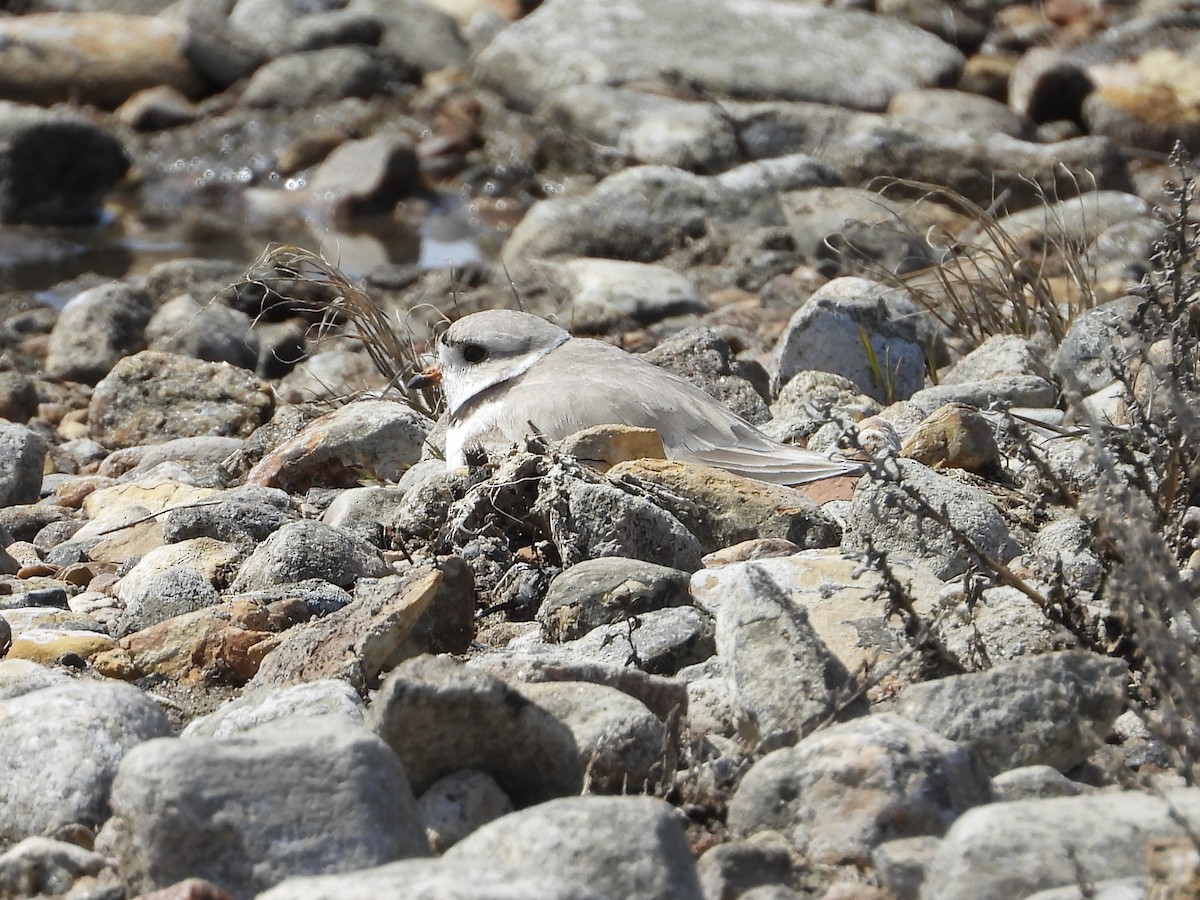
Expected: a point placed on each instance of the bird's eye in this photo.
(474, 353)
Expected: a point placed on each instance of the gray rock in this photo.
(1001, 391)
(244, 516)
(825, 334)
(169, 593)
(651, 41)
(300, 80)
(1044, 710)
(1003, 624)
(1036, 783)
(204, 330)
(152, 397)
(998, 356)
(621, 740)
(95, 329)
(157, 109)
(200, 458)
(379, 436)
(599, 591)
(298, 796)
(617, 846)
(58, 166)
(40, 866)
(440, 717)
(18, 397)
(659, 642)
(704, 358)
(785, 680)
(735, 867)
(368, 176)
(901, 864)
(884, 516)
(646, 212)
(327, 699)
(842, 792)
(416, 33)
(1007, 850)
(22, 456)
(607, 293)
(458, 804)
(957, 110)
(330, 373)
(307, 549)
(202, 278)
(94, 725)
(1098, 340)
(21, 676)
(811, 400)
(377, 503)
(1134, 888)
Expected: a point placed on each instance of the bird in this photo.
(507, 374)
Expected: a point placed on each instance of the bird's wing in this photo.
(592, 383)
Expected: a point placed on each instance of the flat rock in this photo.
(329, 697)
(725, 52)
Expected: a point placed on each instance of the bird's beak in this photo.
(427, 378)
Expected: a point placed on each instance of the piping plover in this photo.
(509, 374)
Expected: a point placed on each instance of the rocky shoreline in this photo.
(258, 640)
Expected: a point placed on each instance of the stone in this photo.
(39, 866)
(458, 804)
(623, 743)
(843, 791)
(416, 33)
(734, 867)
(600, 591)
(367, 177)
(660, 642)
(617, 846)
(1054, 709)
(827, 334)
(307, 549)
(169, 592)
(58, 166)
(93, 58)
(1002, 391)
(885, 517)
(156, 109)
(327, 698)
(95, 329)
(997, 356)
(48, 645)
(151, 397)
(22, 457)
(302, 80)
(957, 436)
(1003, 624)
(379, 437)
(204, 330)
(1005, 850)
(1098, 340)
(979, 116)
(722, 509)
(650, 41)
(244, 516)
(1036, 783)
(94, 726)
(440, 717)
(297, 796)
(607, 293)
(705, 359)
(18, 397)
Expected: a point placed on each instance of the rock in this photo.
(440, 717)
(302, 80)
(811, 400)
(94, 726)
(39, 866)
(785, 680)
(391, 619)
(623, 743)
(1006, 850)
(606, 294)
(847, 604)
(1036, 783)
(47, 645)
(298, 796)
(151, 397)
(19, 676)
(94, 58)
(827, 334)
(735, 867)
(326, 699)
(617, 846)
(885, 517)
(600, 591)
(167, 593)
(215, 561)
(1045, 710)
(957, 436)
(330, 373)
(367, 177)
(1099, 340)
(660, 642)
(901, 864)
(381, 437)
(1004, 624)
(841, 792)
(22, 457)
(18, 397)
(59, 166)
(156, 109)
(644, 213)
(998, 356)
(702, 357)
(1026, 391)
(416, 33)
(197, 460)
(244, 516)
(978, 116)
(203, 330)
(307, 549)
(649, 41)
(95, 329)
(458, 804)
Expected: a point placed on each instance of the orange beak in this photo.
(427, 378)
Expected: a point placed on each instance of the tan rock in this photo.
(216, 560)
(955, 435)
(45, 645)
(603, 446)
